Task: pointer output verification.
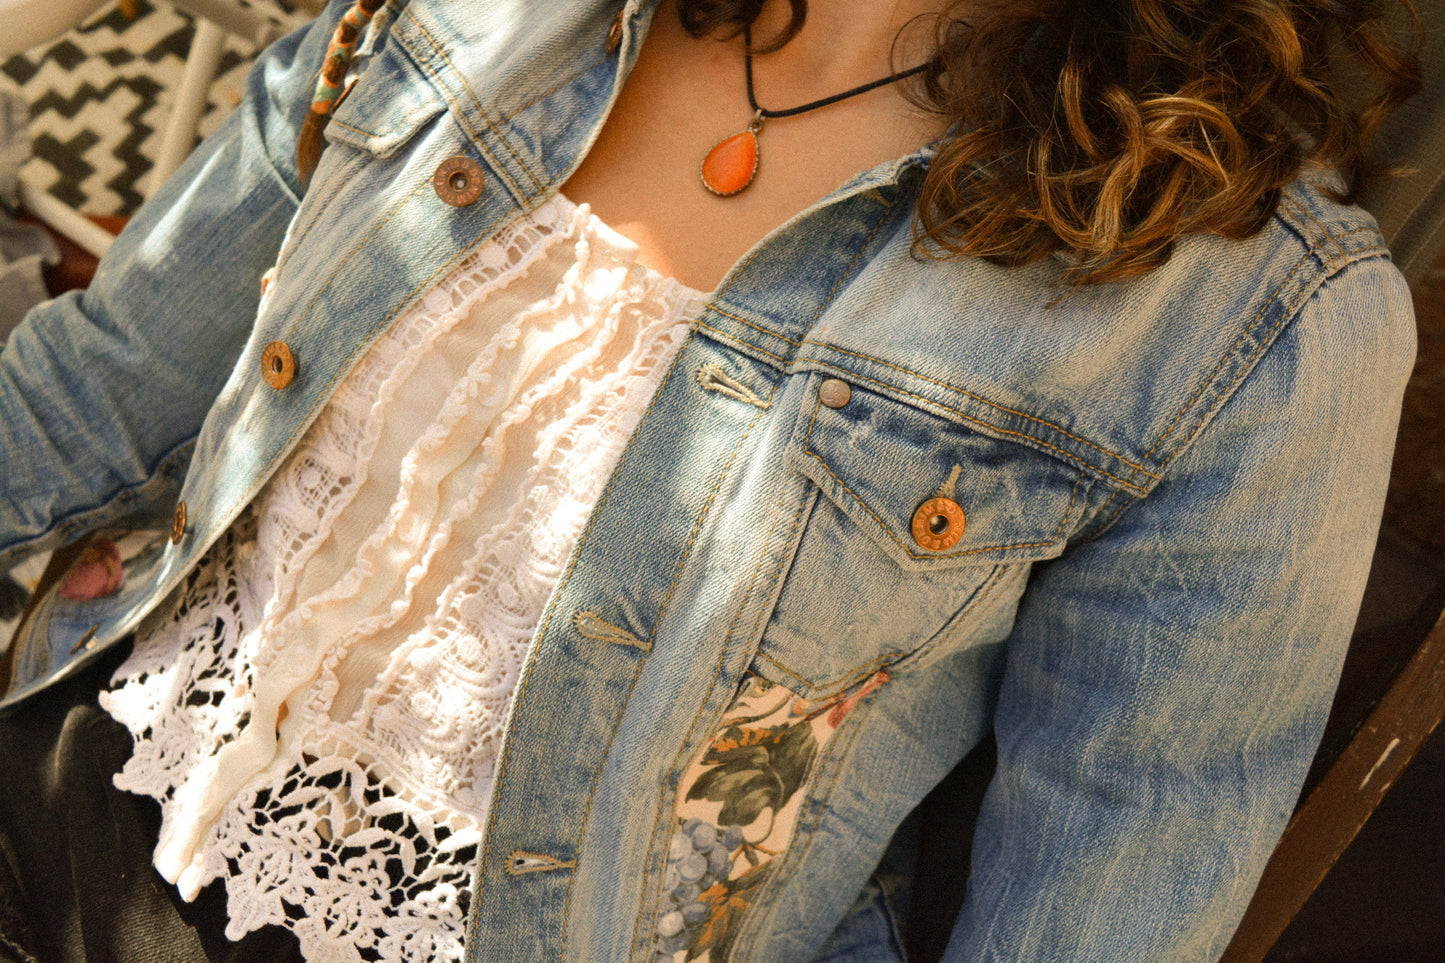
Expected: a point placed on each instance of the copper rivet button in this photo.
(835, 393)
(938, 524)
(178, 523)
(614, 33)
(278, 364)
(458, 180)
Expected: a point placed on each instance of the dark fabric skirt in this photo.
(76, 882)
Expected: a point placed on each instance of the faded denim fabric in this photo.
(1171, 488)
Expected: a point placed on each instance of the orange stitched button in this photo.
(178, 523)
(938, 524)
(614, 33)
(278, 364)
(458, 180)
(835, 393)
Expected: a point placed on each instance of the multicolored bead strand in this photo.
(339, 56)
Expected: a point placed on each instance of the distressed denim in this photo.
(1171, 486)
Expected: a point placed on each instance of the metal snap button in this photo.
(835, 393)
(178, 523)
(458, 180)
(938, 524)
(278, 364)
(614, 34)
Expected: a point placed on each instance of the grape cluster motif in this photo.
(698, 857)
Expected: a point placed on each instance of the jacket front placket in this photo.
(658, 612)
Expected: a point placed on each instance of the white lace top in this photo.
(319, 709)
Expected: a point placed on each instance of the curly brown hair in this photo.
(1108, 129)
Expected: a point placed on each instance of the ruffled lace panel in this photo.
(319, 712)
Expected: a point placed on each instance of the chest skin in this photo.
(686, 94)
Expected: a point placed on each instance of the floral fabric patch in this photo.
(737, 807)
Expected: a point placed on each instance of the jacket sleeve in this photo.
(102, 393)
(1167, 683)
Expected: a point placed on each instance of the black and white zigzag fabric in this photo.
(99, 97)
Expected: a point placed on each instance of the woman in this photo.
(520, 599)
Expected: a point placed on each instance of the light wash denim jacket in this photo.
(1170, 489)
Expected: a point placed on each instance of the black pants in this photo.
(76, 882)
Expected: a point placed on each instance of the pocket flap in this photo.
(880, 461)
(390, 102)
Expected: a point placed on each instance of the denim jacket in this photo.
(1158, 500)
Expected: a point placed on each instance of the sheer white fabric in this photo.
(319, 709)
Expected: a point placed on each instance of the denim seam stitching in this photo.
(855, 676)
(697, 526)
(739, 269)
(805, 510)
(801, 838)
(661, 613)
(979, 421)
(739, 341)
(1336, 237)
(24, 954)
(852, 676)
(292, 244)
(1285, 316)
(955, 623)
(526, 678)
(1073, 498)
(458, 111)
(893, 928)
(325, 286)
(805, 839)
(1100, 527)
(461, 78)
(681, 758)
(981, 400)
(118, 499)
(1289, 314)
(1325, 233)
(506, 118)
(410, 120)
(757, 327)
(1068, 512)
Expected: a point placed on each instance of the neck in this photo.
(844, 42)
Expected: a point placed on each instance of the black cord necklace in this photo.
(732, 163)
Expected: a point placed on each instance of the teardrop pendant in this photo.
(729, 167)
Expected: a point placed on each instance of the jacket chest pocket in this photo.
(912, 519)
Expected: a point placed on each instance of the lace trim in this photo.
(359, 834)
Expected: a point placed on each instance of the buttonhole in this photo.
(593, 626)
(520, 862)
(713, 377)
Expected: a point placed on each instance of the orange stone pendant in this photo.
(729, 167)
